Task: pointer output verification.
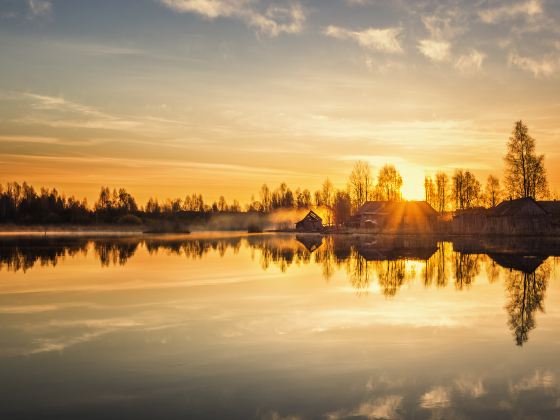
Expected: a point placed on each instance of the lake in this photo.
(279, 326)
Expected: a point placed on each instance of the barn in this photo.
(310, 223)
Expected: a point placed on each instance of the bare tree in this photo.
(442, 191)
(265, 198)
(327, 193)
(525, 174)
(360, 183)
(430, 191)
(492, 193)
(389, 183)
(466, 189)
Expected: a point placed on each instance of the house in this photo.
(310, 223)
(522, 216)
(395, 217)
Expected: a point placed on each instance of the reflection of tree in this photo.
(436, 266)
(492, 270)
(359, 272)
(114, 252)
(22, 255)
(465, 268)
(526, 295)
(391, 275)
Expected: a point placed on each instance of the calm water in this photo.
(278, 327)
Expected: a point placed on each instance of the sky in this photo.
(171, 97)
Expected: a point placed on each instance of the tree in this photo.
(525, 174)
(389, 183)
(492, 193)
(465, 189)
(327, 193)
(342, 207)
(265, 198)
(360, 183)
(442, 191)
(430, 191)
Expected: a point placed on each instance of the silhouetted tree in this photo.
(492, 193)
(525, 174)
(389, 183)
(360, 183)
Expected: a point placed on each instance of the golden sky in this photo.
(170, 97)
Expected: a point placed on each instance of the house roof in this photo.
(519, 207)
(551, 207)
(312, 216)
(397, 206)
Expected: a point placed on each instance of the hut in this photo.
(395, 217)
(310, 223)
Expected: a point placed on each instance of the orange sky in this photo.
(167, 97)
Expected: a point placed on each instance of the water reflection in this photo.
(388, 262)
(278, 326)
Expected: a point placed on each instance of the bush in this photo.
(129, 219)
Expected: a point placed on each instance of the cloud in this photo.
(544, 67)
(472, 387)
(507, 11)
(381, 408)
(436, 398)
(272, 20)
(544, 380)
(470, 62)
(435, 50)
(39, 7)
(383, 40)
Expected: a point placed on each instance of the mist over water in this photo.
(271, 326)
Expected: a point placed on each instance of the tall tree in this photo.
(342, 207)
(442, 191)
(327, 192)
(389, 183)
(265, 198)
(466, 189)
(492, 193)
(430, 195)
(525, 174)
(360, 183)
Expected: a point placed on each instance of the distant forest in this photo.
(524, 176)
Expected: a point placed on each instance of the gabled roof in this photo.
(372, 207)
(519, 207)
(312, 216)
(397, 206)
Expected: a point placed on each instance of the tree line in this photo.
(525, 176)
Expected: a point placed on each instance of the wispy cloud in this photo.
(545, 67)
(435, 50)
(272, 19)
(384, 40)
(381, 408)
(470, 62)
(438, 397)
(528, 8)
(39, 7)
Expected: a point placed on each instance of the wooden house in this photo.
(395, 217)
(310, 223)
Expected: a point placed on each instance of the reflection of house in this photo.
(310, 223)
(310, 242)
(395, 216)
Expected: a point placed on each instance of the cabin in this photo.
(522, 216)
(395, 217)
(310, 223)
